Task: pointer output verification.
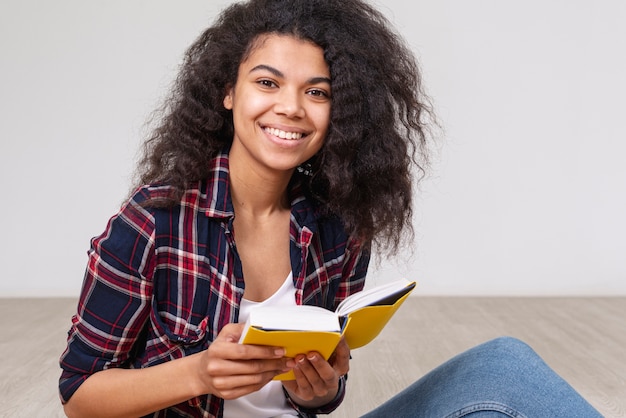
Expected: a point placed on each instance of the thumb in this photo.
(231, 333)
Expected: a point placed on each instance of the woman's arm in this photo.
(133, 392)
(226, 369)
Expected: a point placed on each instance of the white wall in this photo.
(528, 193)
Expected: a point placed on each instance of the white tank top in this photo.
(269, 401)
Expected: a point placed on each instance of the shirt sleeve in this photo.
(324, 409)
(115, 298)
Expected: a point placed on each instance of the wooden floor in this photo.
(583, 339)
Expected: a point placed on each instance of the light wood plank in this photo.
(583, 339)
(34, 334)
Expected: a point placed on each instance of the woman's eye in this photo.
(267, 83)
(318, 93)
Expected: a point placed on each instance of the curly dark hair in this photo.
(379, 114)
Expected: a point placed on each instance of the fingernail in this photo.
(290, 364)
(279, 352)
(300, 359)
(312, 357)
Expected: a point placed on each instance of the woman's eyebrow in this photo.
(317, 80)
(278, 73)
(272, 70)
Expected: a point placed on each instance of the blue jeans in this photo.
(501, 378)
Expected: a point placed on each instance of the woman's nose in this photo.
(289, 103)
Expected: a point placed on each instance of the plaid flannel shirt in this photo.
(161, 283)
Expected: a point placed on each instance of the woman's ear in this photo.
(228, 99)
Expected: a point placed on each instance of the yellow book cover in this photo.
(300, 329)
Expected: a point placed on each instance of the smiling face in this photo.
(280, 103)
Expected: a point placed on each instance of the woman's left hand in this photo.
(317, 380)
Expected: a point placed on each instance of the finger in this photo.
(249, 351)
(234, 386)
(319, 375)
(230, 333)
(226, 367)
(301, 385)
(325, 377)
(224, 348)
(340, 359)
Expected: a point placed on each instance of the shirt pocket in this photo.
(178, 330)
(171, 336)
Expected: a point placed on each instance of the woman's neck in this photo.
(256, 199)
(257, 192)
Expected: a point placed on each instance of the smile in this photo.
(283, 134)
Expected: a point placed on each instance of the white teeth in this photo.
(283, 134)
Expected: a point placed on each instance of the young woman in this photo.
(282, 158)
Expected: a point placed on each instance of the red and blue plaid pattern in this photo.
(161, 283)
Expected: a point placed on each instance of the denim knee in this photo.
(510, 345)
(504, 358)
(501, 376)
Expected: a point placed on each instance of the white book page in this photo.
(304, 317)
(370, 296)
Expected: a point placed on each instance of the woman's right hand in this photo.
(230, 370)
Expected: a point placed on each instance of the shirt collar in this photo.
(218, 200)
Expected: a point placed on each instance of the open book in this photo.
(300, 329)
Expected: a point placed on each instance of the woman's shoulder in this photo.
(150, 192)
(161, 195)
(194, 194)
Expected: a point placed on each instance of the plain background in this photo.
(528, 190)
